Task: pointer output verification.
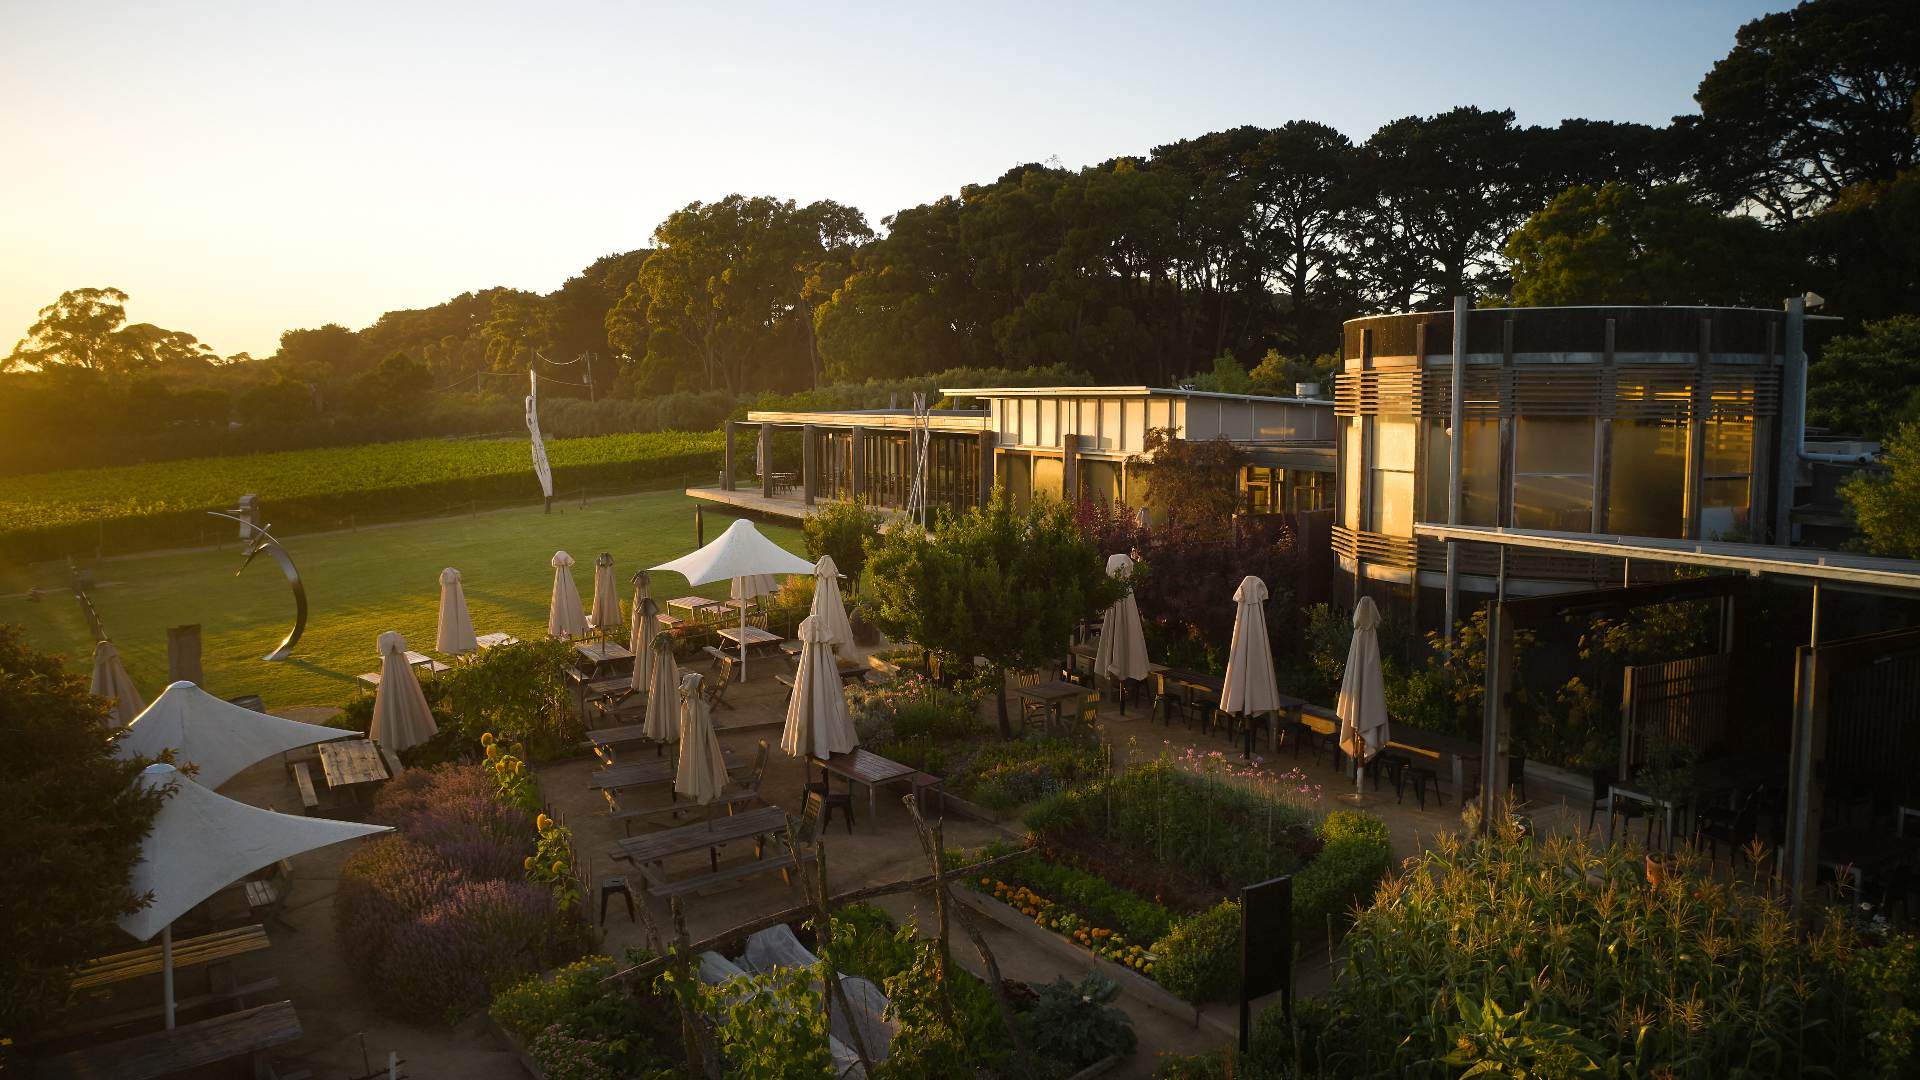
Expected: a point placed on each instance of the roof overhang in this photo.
(967, 422)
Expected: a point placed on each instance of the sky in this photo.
(242, 169)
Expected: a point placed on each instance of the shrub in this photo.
(912, 709)
(841, 529)
(1002, 776)
(562, 1056)
(1073, 1022)
(448, 961)
(1199, 960)
(585, 1019)
(1354, 859)
(516, 692)
(866, 944)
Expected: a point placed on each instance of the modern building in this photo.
(1077, 442)
(1665, 422)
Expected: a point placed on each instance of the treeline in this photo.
(1798, 173)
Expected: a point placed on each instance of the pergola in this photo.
(1816, 663)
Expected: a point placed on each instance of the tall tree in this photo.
(80, 331)
(1868, 383)
(1887, 506)
(1005, 584)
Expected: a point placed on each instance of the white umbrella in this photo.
(217, 737)
(1250, 687)
(401, 718)
(642, 592)
(740, 552)
(646, 624)
(564, 617)
(1363, 704)
(817, 721)
(662, 723)
(828, 609)
(110, 680)
(455, 633)
(606, 594)
(202, 842)
(702, 772)
(1123, 643)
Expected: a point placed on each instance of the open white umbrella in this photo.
(829, 610)
(1362, 704)
(1123, 643)
(646, 624)
(817, 721)
(110, 680)
(702, 772)
(217, 737)
(201, 843)
(606, 595)
(564, 617)
(662, 723)
(740, 552)
(1250, 688)
(454, 636)
(401, 718)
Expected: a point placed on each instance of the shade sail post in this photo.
(166, 971)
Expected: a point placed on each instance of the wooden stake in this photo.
(816, 886)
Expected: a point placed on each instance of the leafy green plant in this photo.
(517, 692)
(866, 943)
(588, 1023)
(1199, 960)
(1077, 1024)
(1354, 858)
(950, 1028)
(1089, 895)
(843, 530)
(771, 1025)
(1002, 776)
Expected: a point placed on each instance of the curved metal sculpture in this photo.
(262, 540)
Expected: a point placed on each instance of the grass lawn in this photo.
(358, 585)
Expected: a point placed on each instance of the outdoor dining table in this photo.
(349, 763)
(648, 850)
(598, 654)
(183, 1049)
(1668, 807)
(1089, 651)
(752, 636)
(643, 773)
(1052, 696)
(489, 641)
(692, 605)
(608, 738)
(866, 767)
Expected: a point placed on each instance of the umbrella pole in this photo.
(743, 640)
(166, 970)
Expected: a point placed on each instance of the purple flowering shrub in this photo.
(439, 915)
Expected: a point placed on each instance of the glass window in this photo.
(1390, 498)
(1016, 476)
(1309, 490)
(1553, 473)
(1047, 476)
(1729, 447)
(1257, 484)
(1099, 481)
(1647, 479)
(1350, 473)
(1725, 503)
(1479, 472)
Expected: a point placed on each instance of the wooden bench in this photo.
(187, 1047)
(205, 949)
(658, 884)
(150, 1013)
(303, 779)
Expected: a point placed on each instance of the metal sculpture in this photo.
(540, 467)
(262, 540)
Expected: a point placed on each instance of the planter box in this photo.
(519, 1048)
(1130, 981)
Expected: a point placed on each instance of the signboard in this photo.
(1266, 948)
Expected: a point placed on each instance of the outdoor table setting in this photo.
(692, 605)
(625, 735)
(495, 640)
(751, 636)
(648, 851)
(1669, 808)
(865, 767)
(1052, 696)
(645, 773)
(352, 763)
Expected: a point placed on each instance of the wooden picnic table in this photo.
(602, 652)
(691, 604)
(608, 738)
(177, 1050)
(488, 641)
(866, 767)
(753, 636)
(652, 848)
(1052, 696)
(347, 762)
(187, 952)
(642, 773)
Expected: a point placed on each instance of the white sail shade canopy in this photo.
(1123, 641)
(110, 680)
(401, 718)
(454, 636)
(217, 737)
(817, 720)
(564, 617)
(740, 552)
(1250, 688)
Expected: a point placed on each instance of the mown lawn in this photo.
(358, 585)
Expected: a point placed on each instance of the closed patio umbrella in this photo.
(740, 552)
(1250, 688)
(564, 617)
(642, 591)
(662, 723)
(646, 623)
(401, 718)
(454, 637)
(702, 772)
(217, 737)
(1123, 643)
(817, 720)
(829, 610)
(202, 842)
(110, 680)
(606, 594)
(1362, 704)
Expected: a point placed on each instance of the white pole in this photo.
(166, 970)
(743, 629)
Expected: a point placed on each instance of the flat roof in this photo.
(1807, 564)
(1123, 391)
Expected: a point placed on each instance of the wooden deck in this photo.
(790, 505)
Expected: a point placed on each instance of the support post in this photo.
(986, 466)
(809, 463)
(1793, 418)
(1070, 469)
(1701, 401)
(166, 970)
(1806, 763)
(858, 453)
(766, 461)
(1496, 719)
(726, 461)
(1456, 427)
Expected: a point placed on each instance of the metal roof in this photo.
(1810, 564)
(1122, 391)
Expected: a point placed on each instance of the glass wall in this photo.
(1390, 498)
(1726, 484)
(1647, 479)
(1479, 472)
(1048, 476)
(1350, 473)
(1099, 480)
(1553, 473)
(1016, 475)
(1309, 490)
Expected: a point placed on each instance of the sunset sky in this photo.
(243, 169)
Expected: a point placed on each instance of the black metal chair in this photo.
(1734, 828)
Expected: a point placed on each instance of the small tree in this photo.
(1005, 584)
(842, 529)
(74, 821)
(1193, 484)
(1888, 507)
